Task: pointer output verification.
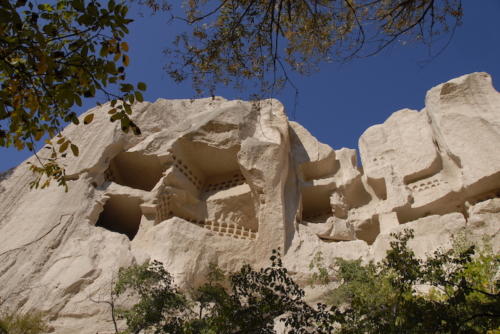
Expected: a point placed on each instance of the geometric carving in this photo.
(187, 172)
(229, 229)
(427, 184)
(233, 180)
(163, 209)
(225, 229)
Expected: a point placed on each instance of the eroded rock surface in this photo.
(225, 182)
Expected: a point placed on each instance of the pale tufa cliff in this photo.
(226, 182)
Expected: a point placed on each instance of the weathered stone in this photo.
(225, 182)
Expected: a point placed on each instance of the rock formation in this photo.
(226, 182)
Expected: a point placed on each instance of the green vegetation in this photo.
(251, 304)
(320, 273)
(455, 291)
(52, 56)
(29, 323)
(161, 307)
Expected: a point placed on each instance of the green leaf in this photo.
(128, 108)
(141, 86)
(46, 7)
(131, 98)
(138, 96)
(126, 88)
(115, 117)
(79, 5)
(136, 130)
(78, 100)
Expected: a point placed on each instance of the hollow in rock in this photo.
(121, 214)
(135, 170)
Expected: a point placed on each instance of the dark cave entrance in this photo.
(121, 214)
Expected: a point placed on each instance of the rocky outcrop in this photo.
(225, 182)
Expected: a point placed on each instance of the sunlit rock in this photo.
(225, 182)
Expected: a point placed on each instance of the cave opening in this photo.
(316, 203)
(379, 187)
(135, 170)
(368, 230)
(121, 214)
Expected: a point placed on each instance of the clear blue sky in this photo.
(340, 101)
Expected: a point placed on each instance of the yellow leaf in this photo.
(88, 119)
(126, 60)
(38, 135)
(19, 144)
(124, 46)
(42, 66)
(63, 147)
(75, 150)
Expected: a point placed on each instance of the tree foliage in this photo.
(234, 41)
(161, 307)
(250, 305)
(52, 55)
(455, 291)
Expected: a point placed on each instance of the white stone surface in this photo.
(225, 182)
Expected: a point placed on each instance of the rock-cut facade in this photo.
(226, 182)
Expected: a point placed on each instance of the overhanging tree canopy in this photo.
(52, 55)
(233, 41)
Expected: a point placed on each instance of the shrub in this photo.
(28, 323)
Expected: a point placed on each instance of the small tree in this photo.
(454, 291)
(28, 323)
(161, 307)
(252, 304)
